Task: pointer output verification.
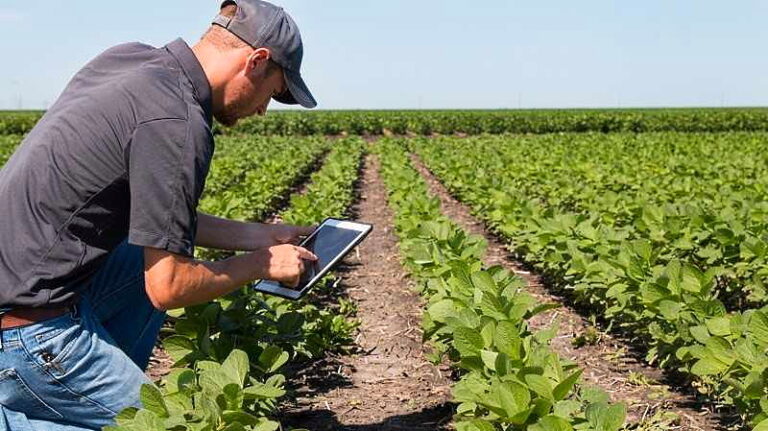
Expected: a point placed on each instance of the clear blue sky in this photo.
(436, 53)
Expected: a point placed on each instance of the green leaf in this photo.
(700, 333)
(551, 423)
(720, 326)
(594, 395)
(210, 410)
(442, 310)
(484, 281)
(507, 339)
(541, 386)
(178, 347)
(605, 417)
(266, 425)
(237, 426)
(669, 309)
(758, 328)
(272, 358)
(721, 349)
(289, 323)
(263, 392)
(565, 387)
(489, 359)
(233, 393)
(691, 279)
(244, 418)
(652, 293)
(235, 367)
(125, 416)
(566, 408)
(475, 425)
(152, 400)
(467, 341)
(146, 420)
(180, 380)
(762, 426)
(178, 403)
(514, 398)
(708, 366)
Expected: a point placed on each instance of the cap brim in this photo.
(298, 93)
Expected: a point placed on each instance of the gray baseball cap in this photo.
(264, 25)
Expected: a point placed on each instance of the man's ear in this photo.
(258, 59)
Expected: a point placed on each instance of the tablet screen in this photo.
(327, 243)
(330, 243)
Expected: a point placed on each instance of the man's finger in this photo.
(306, 254)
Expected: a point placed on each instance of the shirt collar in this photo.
(194, 71)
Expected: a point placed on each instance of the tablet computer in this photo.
(330, 242)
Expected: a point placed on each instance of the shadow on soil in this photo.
(436, 418)
(317, 378)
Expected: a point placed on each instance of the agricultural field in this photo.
(291, 123)
(592, 270)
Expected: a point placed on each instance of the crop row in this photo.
(475, 122)
(333, 186)
(645, 230)
(506, 121)
(229, 354)
(701, 198)
(8, 144)
(18, 122)
(476, 318)
(247, 181)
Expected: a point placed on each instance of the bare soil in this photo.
(607, 362)
(387, 384)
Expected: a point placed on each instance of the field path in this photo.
(606, 363)
(388, 384)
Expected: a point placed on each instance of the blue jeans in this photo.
(77, 371)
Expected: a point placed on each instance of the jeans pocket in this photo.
(54, 341)
(16, 395)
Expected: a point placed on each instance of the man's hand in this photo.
(286, 263)
(288, 234)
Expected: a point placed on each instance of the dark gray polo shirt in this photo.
(123, 152)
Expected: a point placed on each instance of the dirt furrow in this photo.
(606, 361)
(387, 384)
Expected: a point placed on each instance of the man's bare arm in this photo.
(175, 281)
(224, 234)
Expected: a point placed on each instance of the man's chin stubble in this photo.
(226, 120)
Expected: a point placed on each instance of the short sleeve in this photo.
(167, 166)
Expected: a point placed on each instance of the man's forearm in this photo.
(174, 281)
(224, 234)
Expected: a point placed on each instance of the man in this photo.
(99, 216)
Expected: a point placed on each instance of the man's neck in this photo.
(207, 55)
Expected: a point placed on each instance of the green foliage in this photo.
(253, 173)
(18, 122)
(504, 121)
(8, 144)
(477, 319)
(474, 122)
(333, 186)
(661, 233)
(228, 354)
(214, 396)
